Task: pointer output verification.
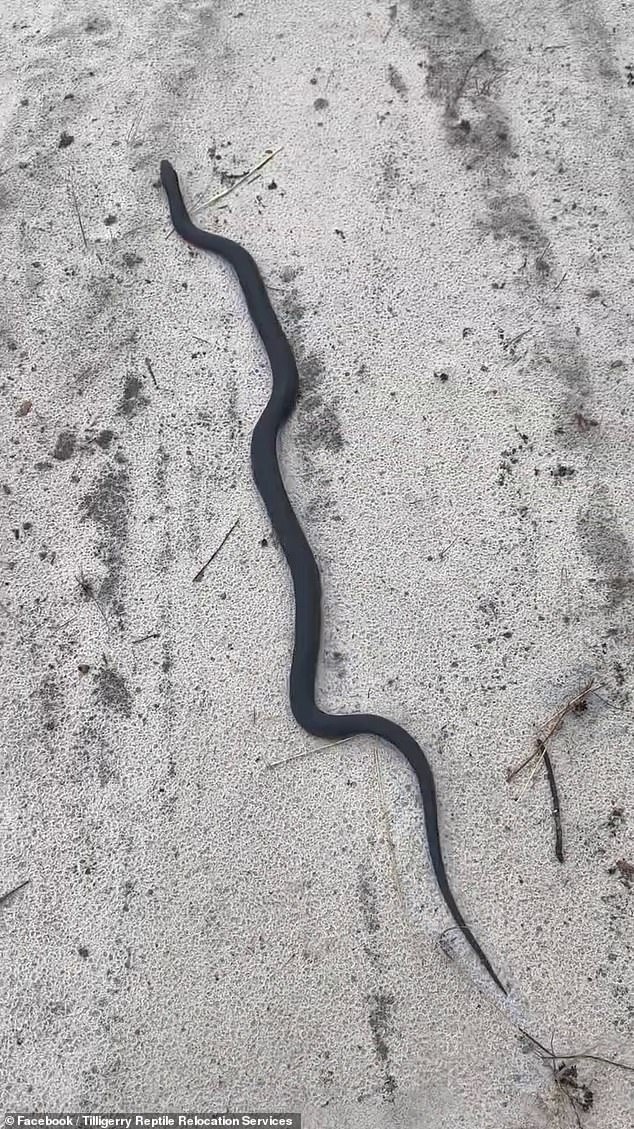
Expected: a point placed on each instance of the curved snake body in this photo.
(299, 556)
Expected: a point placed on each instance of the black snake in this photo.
(301, 562)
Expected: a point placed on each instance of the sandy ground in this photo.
(448, 235)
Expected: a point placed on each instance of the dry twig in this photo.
(388, 833)
(9, 894)
(76, 206)
(308, 752)
(89, 592)
(541, 756)
(148, 365)
(244, 179)
(201, 571)
(568, 1055)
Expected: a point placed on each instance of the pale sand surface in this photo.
(448, 235)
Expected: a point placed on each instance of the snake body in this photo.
(299, 556)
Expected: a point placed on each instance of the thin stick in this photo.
(309, 752)
(268, 156)
(443, 552)
(201, 572)
(144, 638)
(134, 125)
(576, 1054)
(564, 1089)
(388, 833)
(148, 366)
(9, 894)
(88, 591)
(541, 754)
(559, 845)
(554, 725)
(392, 13)
(516, 340)
(558, 719)
(463, 82)
(81, 226)
(511, 773)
